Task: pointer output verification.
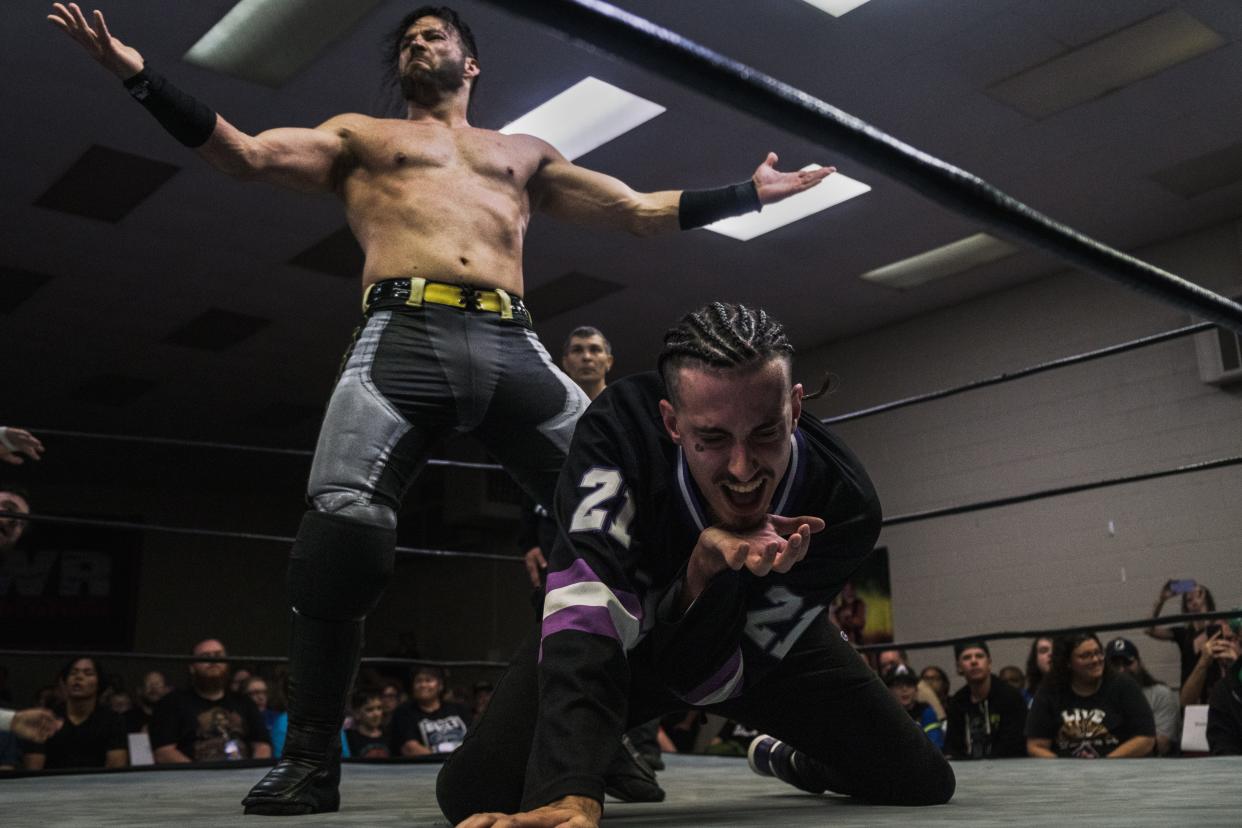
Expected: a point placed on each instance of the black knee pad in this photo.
(339, 567)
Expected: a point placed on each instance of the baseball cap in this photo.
(1121, 648)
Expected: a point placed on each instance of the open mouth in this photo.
(744, 496)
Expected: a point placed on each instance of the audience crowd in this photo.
(1077, 697)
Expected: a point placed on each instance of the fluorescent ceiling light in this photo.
(1108, 64)
(959, 256)
(828, 193)
(836, 7)
(586, 115)
(270, 41)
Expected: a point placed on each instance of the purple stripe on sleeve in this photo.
(718, 680)
(594, 620)
(580, 572)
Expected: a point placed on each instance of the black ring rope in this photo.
(1052, 633)
(1062, 362)
(893, 520)
(208, 444)
(401, 661)
(1160, 621)
(978, 506)
(682, 61)
(108, 523)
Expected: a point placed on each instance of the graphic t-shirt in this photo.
(441, 730)
(362, 746)
(206, 730)
(1090, 727)
(991, 728)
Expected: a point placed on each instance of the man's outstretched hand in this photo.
(775, 546)
(119, 59)
(774, 185)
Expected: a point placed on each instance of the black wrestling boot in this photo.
(629, 778)
(322, 664)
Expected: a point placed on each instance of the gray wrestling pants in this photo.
(412, 376)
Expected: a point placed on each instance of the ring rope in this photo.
(208, 444)
(111, 655)
(1120, 348)
(108, 523)
(1163, 621)
(682, 61)
(978, 506)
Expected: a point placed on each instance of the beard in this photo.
(207, 683)
(429, 86)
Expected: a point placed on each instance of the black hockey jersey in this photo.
(629, 515)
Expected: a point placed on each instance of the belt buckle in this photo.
(469, 297)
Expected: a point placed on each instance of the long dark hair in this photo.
(1208, 600)
(1034, 675)
(1061, 674)
(393, 37)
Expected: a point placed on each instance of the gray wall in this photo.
(1052, 562)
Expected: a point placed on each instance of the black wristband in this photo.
(700, 207)
(188, 120)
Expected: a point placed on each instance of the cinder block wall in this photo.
(1090, 557)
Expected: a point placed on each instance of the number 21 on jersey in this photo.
(593, 515)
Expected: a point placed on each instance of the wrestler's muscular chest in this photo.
(453, 203)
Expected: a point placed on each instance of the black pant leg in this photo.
(825, 701)
(488, 771)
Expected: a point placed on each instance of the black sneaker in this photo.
(769, 756)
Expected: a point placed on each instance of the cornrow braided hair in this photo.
(722, 335)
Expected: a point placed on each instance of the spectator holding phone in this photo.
(1218, 655)
(1189, 637)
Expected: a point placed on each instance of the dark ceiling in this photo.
(142, 292)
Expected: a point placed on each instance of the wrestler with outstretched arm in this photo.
(440, 209)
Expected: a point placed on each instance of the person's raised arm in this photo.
(1161, 633)
(309, 160)
(565, 190)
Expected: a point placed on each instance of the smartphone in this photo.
(1181, 587)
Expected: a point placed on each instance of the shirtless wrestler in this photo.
(441, 210)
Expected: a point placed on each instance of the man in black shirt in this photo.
(703, 528)
(987, 717)
(427, 724)
(206, 723)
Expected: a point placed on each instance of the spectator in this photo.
(426, 724)
(237, 684)
(903, 684)
(1085, 710)
(1217, 656)
(1123, 656)
(14, 442)
(482, 696)
(1038, 663)
(1189, 637)
(393, 696)
(92, 736)
(889, 659)
(733, 739)
(121, 702)
(987, 717)
(256, 688)
(1224, 725)
(938, 680)
(1012, 675)
(586, 358)
(154, 687)
(367, 738)
(12, 499)
(205, 722)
